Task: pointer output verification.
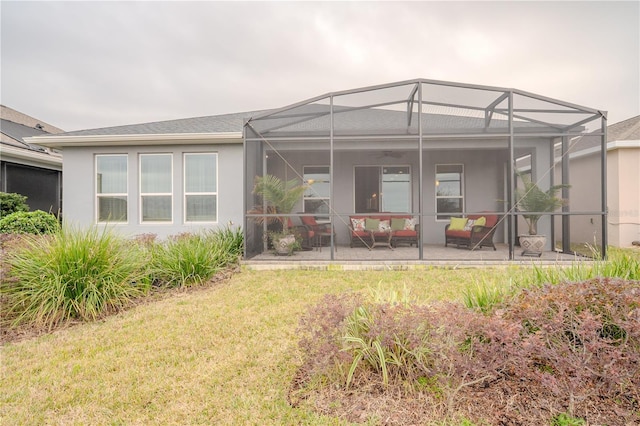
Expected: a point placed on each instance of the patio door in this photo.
(382, 189)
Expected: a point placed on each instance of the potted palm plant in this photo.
(532, 199)
(278, 197)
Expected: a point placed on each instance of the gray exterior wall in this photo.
(79, 181)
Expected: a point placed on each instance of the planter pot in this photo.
(533, 245)
(284, 245)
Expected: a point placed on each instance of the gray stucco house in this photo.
(425, 148)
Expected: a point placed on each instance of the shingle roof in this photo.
(627, 130)
(209, 124)
(17, 132)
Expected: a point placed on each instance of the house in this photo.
(623, 183)
(429, 149)
(29, 169)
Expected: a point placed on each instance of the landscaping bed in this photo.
(234, 348)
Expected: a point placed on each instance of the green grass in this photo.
(222, 355)
(72, 274)
(191, 259)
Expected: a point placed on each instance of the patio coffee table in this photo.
(383, 240)
(320, 235)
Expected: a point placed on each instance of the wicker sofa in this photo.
(402, 228)
(470, 232)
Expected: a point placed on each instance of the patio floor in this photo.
(404, 257)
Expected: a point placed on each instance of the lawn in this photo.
(223, 354)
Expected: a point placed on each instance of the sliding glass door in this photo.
(382, 189)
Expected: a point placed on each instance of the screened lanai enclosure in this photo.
(415, 154)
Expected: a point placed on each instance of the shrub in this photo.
(571, 348)
(11, 202)
(72, 274)
(36, 222)
(582, 340)
(191, 259)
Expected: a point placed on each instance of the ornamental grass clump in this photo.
(71, 274)
(191, 259)
(620, 263)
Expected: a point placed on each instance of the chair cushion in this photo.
(309, 220)
(457, 223)
(481, 221)
(357, 224)
(397, 223)
(405, 233)
(492, 219)
(469, 225)
(371, 224)
(458, 233)
(410, 224)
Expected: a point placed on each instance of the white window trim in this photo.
(152, 194)
(96, 205)
(437, 197)
(184, 187)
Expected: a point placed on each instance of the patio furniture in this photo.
(321, 239)
(381, 239)
(322, 231)
(304, 232)
(397, 228)
(473, 232)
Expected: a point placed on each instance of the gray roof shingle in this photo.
(209, 124)
(16, 132)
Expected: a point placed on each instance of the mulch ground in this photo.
(502, 402)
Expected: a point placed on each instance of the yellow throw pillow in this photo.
(481, 221)
(457, 223)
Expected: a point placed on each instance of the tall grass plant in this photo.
(72, 274)
(191, 259)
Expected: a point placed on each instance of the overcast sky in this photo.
(80, 65)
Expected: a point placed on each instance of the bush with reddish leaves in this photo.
(571, 348)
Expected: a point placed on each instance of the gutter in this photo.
(26, 154)
(136, 139)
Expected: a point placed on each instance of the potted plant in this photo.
(278, 197)
(533, 199)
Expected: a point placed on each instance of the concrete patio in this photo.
(404, 257)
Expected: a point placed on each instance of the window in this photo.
(111, 188)
(156, 191)
(317, 195)
(382, 189)
(449, 190)
(201, 187)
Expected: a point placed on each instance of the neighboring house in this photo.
(623, 183)
(29, 169)
(431, 149)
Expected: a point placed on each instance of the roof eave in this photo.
(26, 154)
(136, 139)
